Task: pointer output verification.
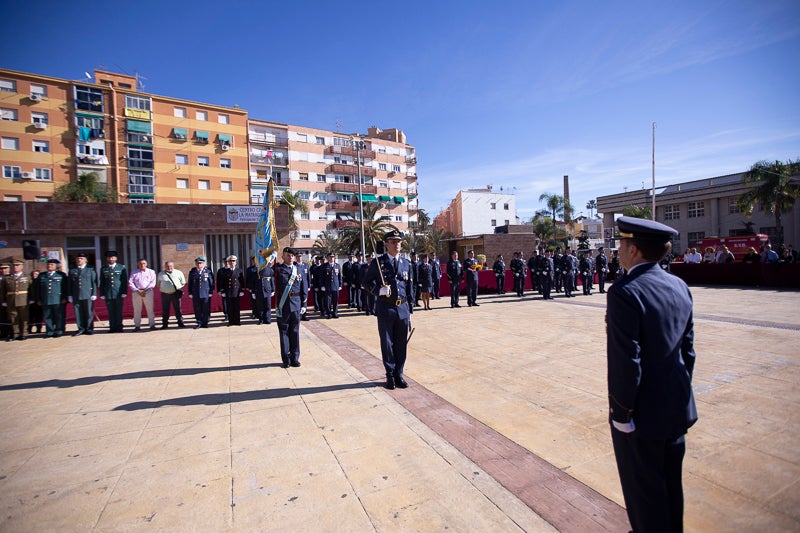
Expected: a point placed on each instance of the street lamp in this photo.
(359, 144)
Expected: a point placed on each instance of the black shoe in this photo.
(294, 364)
(456, 305)
(401, 383)
(476, 305)
(284, 365)
(165, 326)
(181, 325)
(390, 383)
(137, 328)
(89, 332)
(77, 333)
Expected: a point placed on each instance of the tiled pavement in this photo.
(503, 429)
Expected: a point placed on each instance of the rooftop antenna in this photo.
(139, 82)
(338, 125)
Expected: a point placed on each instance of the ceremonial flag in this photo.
(266, 235)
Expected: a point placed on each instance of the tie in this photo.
(394, 264)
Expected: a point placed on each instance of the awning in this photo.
(180, 133)
(139, 126)
(301, 192)
(224, 137)
(367, 198)
(201, 135)
(383, 198)
(89, 115)
(399, 199)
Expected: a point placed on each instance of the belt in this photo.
(397, 303)
(19, 292)
(294, 294)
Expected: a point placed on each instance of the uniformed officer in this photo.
(315, 275)
(533, 271)
(230, 285)
(455, 270)
(331, 274)
(389, 280)
(615, 267)
(304, 270)
(437, 275)
(355, 282)
(499, 269)
(415, 275)
(517, 267)
(346, 269)
(471, 274)
(14, 298)
(569, 265)
(113, 289)
(546, 269)
(52, 294)
(587, 271)
(261, 288)
(201, 287)
(291, 289)
(558, 269)
(601, 266)
(651, 358)
(367, 298)
(82, 294)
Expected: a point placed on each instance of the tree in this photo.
(557, 205)
(88, 189)
(436, 240)
(583, 240)
(773, 189)
(295, 203)
(591, 205)
(374, 228)
(423, 220)
(638, 211)
(326, 243)
(543, 228)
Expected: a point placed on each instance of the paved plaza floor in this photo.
(504, 426)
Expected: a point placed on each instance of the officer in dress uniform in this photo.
(315, 275)
(52, 294)
(367, 298)
(113, 289)
(587, 271)
(230, 285)
(517, 267)
(389, 280)
(455, 270)
(82, 294)
(615, 267)
(558, 268)
(331, 274)
(471, 273)
(291, 289)
(14, 290)
(567, 273)
(601, 265)
(415, 275)
(651, 357)
(499, 269)
(355, 282)
(346, 267)
(304, 270)
(261, 288)
(201, 287)
(436, 267)
(534, 272)
(546, 269)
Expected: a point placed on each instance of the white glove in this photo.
(302, 310)
(253, 296)
(271, 294)
(628, 427)
(69, 299)
(31, 302)
(4, 304)
(93, 298)
(124, 295)
(241, 293)
(190, 296)
(323, 288)
(384, 291)
(102, 297)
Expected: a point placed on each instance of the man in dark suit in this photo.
(355, 282)
(291, 289)
(346, 271)
(471, 273)
(230, 285)
(389, 279)
(82, 294)
(331, 274)
(113, 290)
(201, 287)
(304, 270)
(454, 272)
(437, 275)
(650, 332)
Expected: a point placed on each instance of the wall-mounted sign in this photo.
(243, 213)
(182, 247)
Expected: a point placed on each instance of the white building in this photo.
(477, 212)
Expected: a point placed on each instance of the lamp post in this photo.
(358, 143)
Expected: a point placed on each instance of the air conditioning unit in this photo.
(40, 125)
(225, 147)
(35, 97)
(145, 138)
(27, 175)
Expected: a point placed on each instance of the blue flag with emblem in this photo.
(266, 234)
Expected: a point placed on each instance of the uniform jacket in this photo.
(201, 282)
(471, 274)
(401, 296)
(14, 290)
(499, 268)
(331, 275)
(305, 271)
(601, 263)
(346, 272)
(52, 290)
(517, 266)
(355, 274)
(82, 283)
(425, 281)
(437, 269)
(113, 281)
(230, 282)
(298, 294)
(454, 270)
(651, 353)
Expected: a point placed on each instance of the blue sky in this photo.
(513, 93)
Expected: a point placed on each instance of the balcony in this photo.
(339, 224)
(411, 160)
(272, 140)
(92, 160)
(352, 187)
(342, 206)
(258, 160)
(411, 176)
(347, 150)
(352, 170)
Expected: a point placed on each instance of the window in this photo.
(304, 195)
(12, 172)
(672, 212)
(381, 166)
(141, 182)
(398, 218)
(202, 161)
(321, 178)
(88, 98)
(303, 176)
(695, 236)
(41, 146)
(696, 209)
(305, 216)
(8, 86)
(201, 115)
(141, 200)
(181, 159)
(43, 199)
(204, 185)
(9, 114)
(88, 149)
(140, 157)
(320, 140)
(305, 234)
(733, 206)
(42, 174)
(181, 183)
(383, 183)
(505, 207)
(12, 198)
(396, 168)
(92, 123)
(494, 222)
(41, 90)
(39, 118)
(492, 205)
(506, 222)
(302, 137)
(226, 186)
(223, 119)
(341, 141)
(179, 112)
(9, 143)
(137, 102)
(224, 163)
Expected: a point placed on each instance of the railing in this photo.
(352, 187)
(267, 139)
(342, 206)
(268, 160)
(339, 224)
(339, 168)
(347, 150)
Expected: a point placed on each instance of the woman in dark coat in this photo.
(425, 281)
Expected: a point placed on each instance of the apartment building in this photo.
(478, 212)
(166, 150)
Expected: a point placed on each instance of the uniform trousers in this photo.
(455, 293)
(519, 284)
(650, 474)
(546, 283)
(472, 291)
(436, 287)
(84, 315)
(53, 319)
(234, 310)
(147, 300)
(114, 306)
(501, 284)
(18, 317)
(289, 333)
(202, 310)
(601, 280)
(393, 331)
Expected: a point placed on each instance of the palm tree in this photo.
(88, 189)
(374, 228)
(423, 220)
(557, 205)
(295, 203)
(773, 189)
(638, 211)
(543, 229)
(326, 243)
(436, 240)
(591, 205)
(416, 242)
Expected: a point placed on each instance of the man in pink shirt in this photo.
(142, 282)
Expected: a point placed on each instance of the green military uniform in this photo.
(14, 297)
(83, 292)
(52, 294)
(5, 326)
(113, 289)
